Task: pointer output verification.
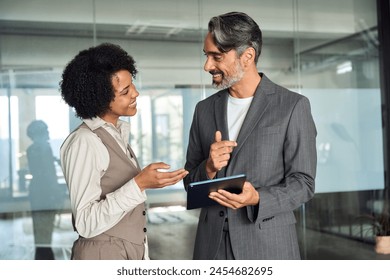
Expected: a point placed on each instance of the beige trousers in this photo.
(105, 247)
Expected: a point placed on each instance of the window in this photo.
(335, 63)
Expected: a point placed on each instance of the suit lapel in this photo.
(220, 106)
(259, 105)
(220, 111)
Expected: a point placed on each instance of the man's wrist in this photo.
(256, 199)
(210, 172)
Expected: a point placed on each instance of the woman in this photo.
(106, 185)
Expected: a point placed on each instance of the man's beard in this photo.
(227, 82)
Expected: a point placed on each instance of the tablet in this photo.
(198, 192)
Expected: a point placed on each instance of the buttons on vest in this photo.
(222, 214)
(144, 213)
(145, 230)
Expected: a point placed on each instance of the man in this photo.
(258, 128)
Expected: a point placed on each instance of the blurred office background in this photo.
(331, 51)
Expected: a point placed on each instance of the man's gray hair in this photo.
(236, 31)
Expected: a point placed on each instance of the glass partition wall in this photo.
(327, 51)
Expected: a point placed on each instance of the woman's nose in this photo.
(136, 93)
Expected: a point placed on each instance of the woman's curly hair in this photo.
(86, 81)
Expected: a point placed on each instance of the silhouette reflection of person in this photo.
(43, 188)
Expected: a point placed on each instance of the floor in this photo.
(165, 225)
(171, 233)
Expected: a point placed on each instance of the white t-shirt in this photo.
(236, 112)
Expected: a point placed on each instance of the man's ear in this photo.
(248, 56)
(250, 53)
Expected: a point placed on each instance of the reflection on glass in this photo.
(45, 194)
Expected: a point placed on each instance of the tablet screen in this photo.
(198, 192)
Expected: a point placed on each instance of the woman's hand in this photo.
(154, 176)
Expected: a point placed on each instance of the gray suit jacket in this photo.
(277, 151)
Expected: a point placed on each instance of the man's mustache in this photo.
(216, 72)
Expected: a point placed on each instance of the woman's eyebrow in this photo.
(125, 88)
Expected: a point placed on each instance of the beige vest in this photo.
(120, 170)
